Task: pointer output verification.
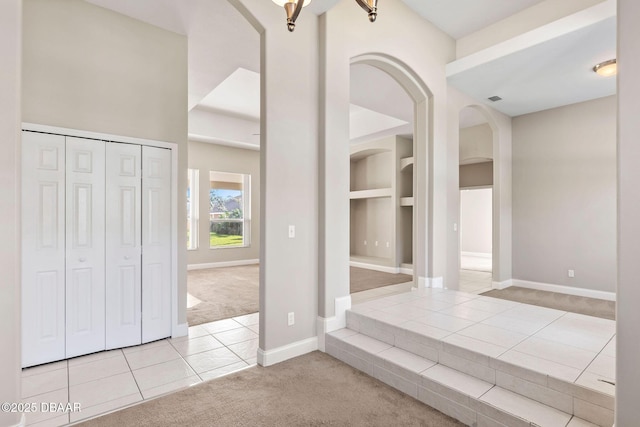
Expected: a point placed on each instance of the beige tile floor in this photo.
(474, 282)
(108, 380)
(572, 347)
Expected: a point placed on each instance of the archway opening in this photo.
(476, 213)
(381, 184)
(389, 170)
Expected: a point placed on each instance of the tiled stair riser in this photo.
(466, 409)
(568, 397)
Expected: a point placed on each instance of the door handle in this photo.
(82, 259)
(126, 257)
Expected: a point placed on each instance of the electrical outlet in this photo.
(572, 273)
(292, 231)
(455, 226)
(291, 319)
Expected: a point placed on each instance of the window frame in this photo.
(246, 212)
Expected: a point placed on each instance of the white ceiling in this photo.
(543, 75)
(459, 18)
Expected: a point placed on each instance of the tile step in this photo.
(497, 400)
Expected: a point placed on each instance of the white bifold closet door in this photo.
(123, 245)
(96, 246)
(43, 248)
(156, 243)
(85, 246)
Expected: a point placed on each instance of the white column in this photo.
(10, 51)
(628, 292)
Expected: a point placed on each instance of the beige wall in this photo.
(476, 174)
(88, 68)
(476, 142)
(210, 157)
(564, 195)
(10, 52)
(627, 410)
(289, 177)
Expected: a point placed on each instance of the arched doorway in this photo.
(475, 226)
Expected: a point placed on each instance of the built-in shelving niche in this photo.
(382, 203)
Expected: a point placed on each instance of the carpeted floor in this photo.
(582, 305)
(310, 390)
(224, 293)
(362, 279)
(233, 291)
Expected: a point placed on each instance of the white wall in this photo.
(475, 220)
(210, 157)
(627, 410)
(564, 195)
(10, 51)
(88, 68)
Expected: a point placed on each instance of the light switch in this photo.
(292, 231)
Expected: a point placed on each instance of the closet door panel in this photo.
(156, 243)
(123, 243)
(85, 246)
(43, 248)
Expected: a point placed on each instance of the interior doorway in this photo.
(476, 201)
(476, 219)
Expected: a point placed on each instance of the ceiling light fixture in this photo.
(607, 68)
(293, 8)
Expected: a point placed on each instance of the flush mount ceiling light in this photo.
(293, 8)
(607, 68)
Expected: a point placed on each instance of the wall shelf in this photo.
(406, 201)
(370, 194)
(405, 162)
(381, 195)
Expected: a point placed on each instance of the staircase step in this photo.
(504, 401)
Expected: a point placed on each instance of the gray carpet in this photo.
(310, 390)
(564, 302)
(233, 291)
(224, 292)
(362, 279)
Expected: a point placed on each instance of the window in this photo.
(229, 210)
(192, 208)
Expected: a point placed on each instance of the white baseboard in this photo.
(502, 285)
(375, 267)
(477, 254)
(404, 270)
(286, 352)
(581, 292)
(222, 264)
(436, 282)
(430, 282)
(338, 321)
(180, 330)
